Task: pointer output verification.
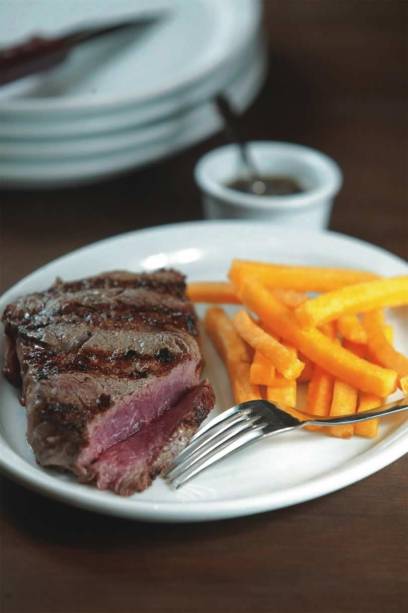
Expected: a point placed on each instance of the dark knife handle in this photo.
(32, 56)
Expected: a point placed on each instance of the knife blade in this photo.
(42, 53)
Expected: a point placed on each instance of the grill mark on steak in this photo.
(162, 281)
(106, 353)
(134, 308)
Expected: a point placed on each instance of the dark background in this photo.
(337, 81)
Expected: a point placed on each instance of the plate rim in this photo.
(352, 470)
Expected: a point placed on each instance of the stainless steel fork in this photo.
(248, 422)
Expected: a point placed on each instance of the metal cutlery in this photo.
(247, 423)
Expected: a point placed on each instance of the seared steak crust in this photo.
(100, 301)
(163, 281)
(99, 359)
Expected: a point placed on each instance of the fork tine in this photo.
(214, 422)
(210, 433)
(228, 447)
(211, 444)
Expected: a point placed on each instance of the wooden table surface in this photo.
(337, 81)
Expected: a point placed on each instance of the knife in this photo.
(42, 53)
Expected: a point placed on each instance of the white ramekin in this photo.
(320, 176)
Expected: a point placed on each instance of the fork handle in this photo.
(387, 409)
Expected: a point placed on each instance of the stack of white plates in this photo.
(125, 100)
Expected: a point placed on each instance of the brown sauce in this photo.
(274, 186)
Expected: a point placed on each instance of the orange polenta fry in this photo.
(283, 394)
(280, 381)
(320, 388)
(403, 383)
(233, 352)
(353, 299)
(298, 278)
(344, 401)
(378, 345)
(217, 292)
(319, 393)
(367, 402)
(290, 297)
(283, 358)
(389, 333)
(307, 372)
(262, 371)
(351, 328)
(323, 351)
(329, 329)
(242, 388)
(356, 348)
(224, 336)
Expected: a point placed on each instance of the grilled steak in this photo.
(109, 368)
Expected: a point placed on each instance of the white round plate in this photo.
(173, 135)
(188, 47)
(275, 473)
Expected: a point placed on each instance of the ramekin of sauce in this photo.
(298, 184)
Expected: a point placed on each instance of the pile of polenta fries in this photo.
(336, 341)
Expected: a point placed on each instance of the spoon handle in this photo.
(233, 131)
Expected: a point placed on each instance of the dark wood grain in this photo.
(337, 81)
